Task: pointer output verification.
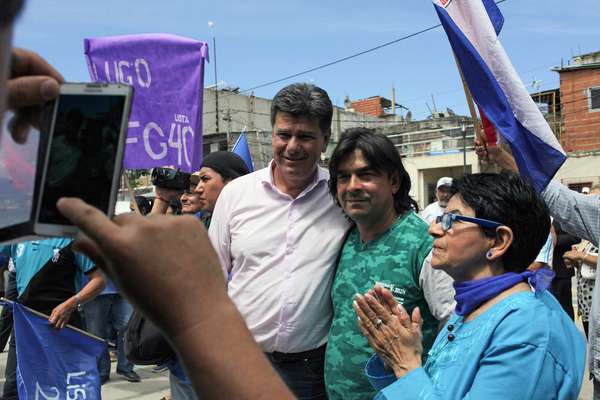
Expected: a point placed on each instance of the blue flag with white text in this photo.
(54, 364)
(242, 149)
(472, 28)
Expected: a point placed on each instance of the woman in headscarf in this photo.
(218, 169)
(509, 338)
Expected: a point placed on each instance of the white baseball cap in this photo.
(444, 181)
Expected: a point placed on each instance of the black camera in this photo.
(169, 178)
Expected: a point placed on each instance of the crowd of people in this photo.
(307, 281)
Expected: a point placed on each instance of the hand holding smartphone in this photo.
(84, 154)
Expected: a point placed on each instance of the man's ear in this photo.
(501, 243)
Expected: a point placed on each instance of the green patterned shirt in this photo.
(394, 260)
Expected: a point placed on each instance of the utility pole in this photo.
(393, 100)
(216, 85)
(228, 119)
(251, 111)
(211, 25)
(260, 150)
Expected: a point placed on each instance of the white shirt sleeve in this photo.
(438, 290)
(430, 212)
(546, 253)
(218, 232)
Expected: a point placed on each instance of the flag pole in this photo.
(238, 140)
(471, 104)
(42, 315)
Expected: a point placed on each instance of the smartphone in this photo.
(84, 153)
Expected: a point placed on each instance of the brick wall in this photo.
(371, 106)
(581, 128)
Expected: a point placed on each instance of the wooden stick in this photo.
(131, 193)
(476, 125)
(42, 315)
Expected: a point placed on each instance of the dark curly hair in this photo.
(382, 156)
(511, 201)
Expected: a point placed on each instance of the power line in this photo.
(339, 60)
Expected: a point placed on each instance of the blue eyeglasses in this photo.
(447, 219)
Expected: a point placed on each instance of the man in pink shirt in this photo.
(277, 232)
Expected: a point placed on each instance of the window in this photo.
(594, 98)
(578, 186)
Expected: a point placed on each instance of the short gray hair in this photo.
(304, 99)
(9, 9)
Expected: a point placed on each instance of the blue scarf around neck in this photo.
(472, 294)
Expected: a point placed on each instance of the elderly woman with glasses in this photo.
(508, 338)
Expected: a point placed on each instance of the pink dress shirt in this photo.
(280, 254)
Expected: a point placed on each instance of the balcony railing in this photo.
(432, 142)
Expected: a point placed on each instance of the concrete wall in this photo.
(236, 112)
(579, 170)
(426, 170)
(239, 112)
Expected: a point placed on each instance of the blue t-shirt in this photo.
(30, 257)
(524, 347)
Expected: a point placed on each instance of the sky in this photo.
(264, 40)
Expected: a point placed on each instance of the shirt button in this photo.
(451, 337)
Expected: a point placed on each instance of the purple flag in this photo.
(167, 73)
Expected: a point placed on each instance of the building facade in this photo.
(580, 120)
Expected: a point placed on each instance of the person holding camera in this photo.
(199, 196)
(169, 184)
(200, 190)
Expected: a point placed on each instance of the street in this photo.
(152, 387)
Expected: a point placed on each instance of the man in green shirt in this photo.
(387, 245)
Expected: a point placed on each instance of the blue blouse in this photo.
(523, 347)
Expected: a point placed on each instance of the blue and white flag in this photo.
(54, 364)
(242, 149)
(472, 28)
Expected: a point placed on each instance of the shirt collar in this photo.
(265, 176)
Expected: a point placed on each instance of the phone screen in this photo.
(83, 147)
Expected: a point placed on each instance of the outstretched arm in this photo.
(496, 154)
(578, 214)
